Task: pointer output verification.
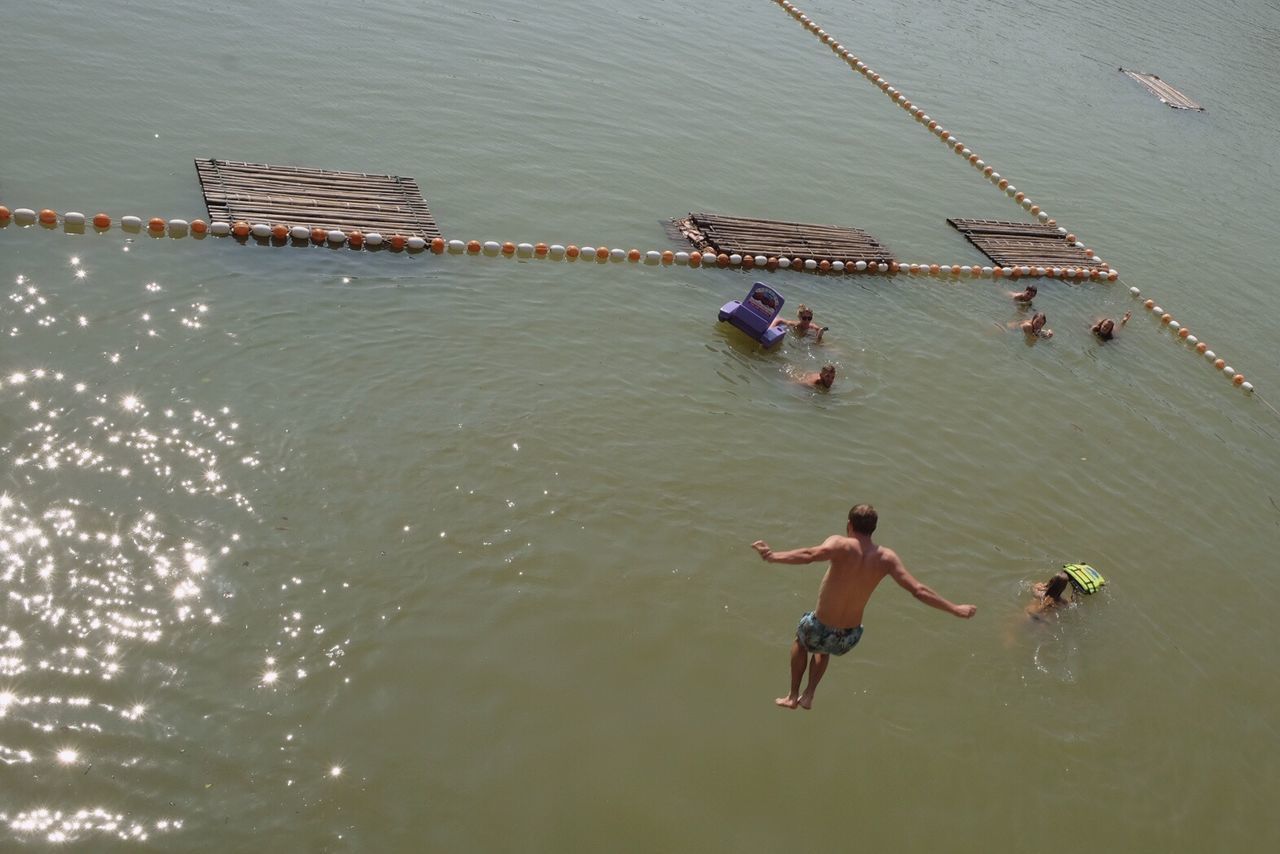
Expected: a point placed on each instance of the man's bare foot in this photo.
(806, 701)
(786, 702)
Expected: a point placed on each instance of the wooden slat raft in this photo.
(290, 195)
(1162, 90)
(1015, 244)
(777, 239)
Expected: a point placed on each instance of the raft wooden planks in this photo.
(1162, 90)
(1022, 244)
(777, 238)
(315, 198)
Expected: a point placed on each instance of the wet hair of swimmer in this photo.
(863, 519)
(1056, 586)
(1038, 320)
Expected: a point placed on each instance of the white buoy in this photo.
(837, 266)
(986, 272)
(882, 267)
(965, 270)
(261, 229)
(27, 215)
(1210, 355)
(617, 255)
(653, 256)
(682, 258)
(760, 260)
(860, 266)
(491, 247)
(1157, 310)
(1229, 371)
(810, 264)
(131, 223)
(979, 164)
(784, 262)
(994, 177)
(415, 243)
(524, 250)
(217, 229)
(334, 236)
(373, 238)
(1135, 292)
(1042, 216)
(73, 218)
(555, 252)
(735, 259)
(1011, 191)
(588, 252)
(1192, 340)
(300, 232)
(456, 247)
(1247, 386)
(1175, 325)
(178, 227)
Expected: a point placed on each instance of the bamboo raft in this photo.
(1019, 244)
(778, 239)
(1166, 93)
(315, 198)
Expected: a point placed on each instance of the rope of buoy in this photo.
(917, 112)
(1194, 344)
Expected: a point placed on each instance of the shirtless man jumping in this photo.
(835, 626)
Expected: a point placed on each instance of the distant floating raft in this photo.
(1166, 93)
(1023, 244)
(731, 235)
(315, 198)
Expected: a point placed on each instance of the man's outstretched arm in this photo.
(924, 592)
(809, 555)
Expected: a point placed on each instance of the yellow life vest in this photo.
(1084, 578)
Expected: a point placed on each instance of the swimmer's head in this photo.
(1032, 290)
(1106, 328)
(1057, 586)
(863, 518)
(1038, 321)
(804, 312)
(827, 375)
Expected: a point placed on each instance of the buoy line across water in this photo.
(994, 177)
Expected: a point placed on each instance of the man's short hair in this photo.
(863, 518)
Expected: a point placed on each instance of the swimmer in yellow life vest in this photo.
(1081, 577)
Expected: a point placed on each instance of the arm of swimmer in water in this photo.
(809, 555)
(924, 592)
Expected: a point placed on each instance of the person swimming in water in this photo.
(822, 379)
(1024, 296)
(1049, 595)
(1105, 328)
(803, 324)
(1034, 328)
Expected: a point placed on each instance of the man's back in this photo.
(857, 567)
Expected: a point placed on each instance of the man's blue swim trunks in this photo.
(817, 637)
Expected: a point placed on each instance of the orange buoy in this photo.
(1183, 333)
(1034, 209)
(997, 272)
(633, 255)
(198, 226)
(508, 248)
(668, 256)
(279, 232)
(101, 220)
(602, 253)
(356, 239)
(695, 259)
(1071, 238)
(894, 266)
(1201, 347)
(155, 224)
(1238, 379)
(1220, 364)
(934, 269)
(722, 260)
(473, 247)
(48, 217)
(319, 235)
(572, 251)
(1166, 317)
(1088, 253)
(824, 265)
(397, 242)
(241, 229)
(437, 243)
(540, 250)
(5, 213)
(1002, 183)
(1019, 196)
